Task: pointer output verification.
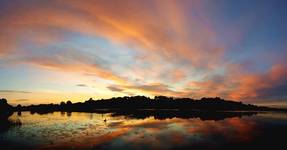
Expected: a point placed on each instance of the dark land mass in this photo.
(142, 102)
(140, 107)
(138, 102)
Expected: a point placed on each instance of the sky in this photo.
(58, 50)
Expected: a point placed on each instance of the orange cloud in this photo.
(161, 33)
(90, 69)
(249, 85)
(237, 85)
(163, 30)
(151, 89)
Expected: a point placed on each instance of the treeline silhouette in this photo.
(141, 107)
(142, 102)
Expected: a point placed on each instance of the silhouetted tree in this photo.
(6, 110)
(69, 103)
(3, 101)
(62, 103)
(18, 107)
(4, 106)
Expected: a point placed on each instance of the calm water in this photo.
(58, 130)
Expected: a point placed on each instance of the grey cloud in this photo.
(82, 85)
(13, 91)
(115, 88)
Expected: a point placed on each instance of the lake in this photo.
(80, 130)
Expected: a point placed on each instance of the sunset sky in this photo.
(58, 50)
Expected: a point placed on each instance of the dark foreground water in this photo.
(60, 130)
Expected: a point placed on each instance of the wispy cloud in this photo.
(171, 47)
(21, 100)
(150, 89)
(14, 91)
(238, 85)
(82, 85)
(115, 89)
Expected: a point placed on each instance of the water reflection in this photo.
(183, 114)
(165, 114)
(6, 123)
(147, 130)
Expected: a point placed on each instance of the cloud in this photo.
(162, 30)
(150, 89)
(82, 85)
(68, 60)
(248, 85)
(91, 69)
(14, 91)
(115, 89)
(239, 85)
(21, 100)
(178, 75)
(153, 87)
(170, 43)
(209, 87)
